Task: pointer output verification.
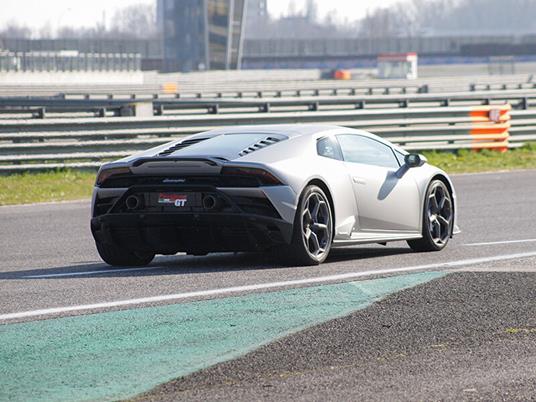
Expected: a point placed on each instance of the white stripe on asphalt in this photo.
(491, 243)
(262, 286)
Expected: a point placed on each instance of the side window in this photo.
(401, 158)
(359, 149)
(328, 148)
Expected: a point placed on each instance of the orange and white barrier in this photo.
(170, 88)
(491, 127)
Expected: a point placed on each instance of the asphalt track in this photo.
(463, 329)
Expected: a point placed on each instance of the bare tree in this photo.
(381, 23)
(136, 21)
(14, 30)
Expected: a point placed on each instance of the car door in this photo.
(386, 199)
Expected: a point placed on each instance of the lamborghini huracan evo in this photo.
(298, 190)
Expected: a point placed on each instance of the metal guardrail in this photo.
(39, 107)
(85, 143)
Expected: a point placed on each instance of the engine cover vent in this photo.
(260, 145)
(181, 145)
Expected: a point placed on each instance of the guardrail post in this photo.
(404, 103)
(423, 89)
(259, 94)
(360, 105)
(524, 103)
(39, 113)
(313, 107)
(137, 109)
(158, 110)
(472, 87)
(265, 108)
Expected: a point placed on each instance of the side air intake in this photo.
(181, 145)
(260, 145)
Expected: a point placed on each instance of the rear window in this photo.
(229, 145)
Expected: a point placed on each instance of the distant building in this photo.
(257, 9)
(202, 34)
(257, 17)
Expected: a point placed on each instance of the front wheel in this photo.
(118, 257)
(438, 219)
(313, 228)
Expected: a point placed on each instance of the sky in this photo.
(54, 13)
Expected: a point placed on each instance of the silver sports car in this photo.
(298, 189)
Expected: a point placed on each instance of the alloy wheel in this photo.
(439, 214)
(316, 225)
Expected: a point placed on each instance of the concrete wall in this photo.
(72, 78)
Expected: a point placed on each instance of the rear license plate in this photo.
(174, 199)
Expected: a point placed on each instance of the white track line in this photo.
(491, 243)
(262, 286)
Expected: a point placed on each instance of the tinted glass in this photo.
(328, 148)
(401, 158)
(358, 149)
(226, 144)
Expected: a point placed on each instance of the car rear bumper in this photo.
(170, 233)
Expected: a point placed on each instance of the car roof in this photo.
(293, 131)
(290, 130)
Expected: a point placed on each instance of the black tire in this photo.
(118, 257)
(438, 218)
(319, 227)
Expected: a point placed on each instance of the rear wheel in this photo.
(437, 220)
(119, 257)
(313, 228)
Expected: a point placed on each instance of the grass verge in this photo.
(60, 185)
(466, 161)
(66, 185)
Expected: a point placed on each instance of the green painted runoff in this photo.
(120, 354)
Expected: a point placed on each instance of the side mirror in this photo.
(415, 160)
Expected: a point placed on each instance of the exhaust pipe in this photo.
(210, 203)
(133, 202)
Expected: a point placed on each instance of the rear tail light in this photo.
(107, 173)
(265, 178)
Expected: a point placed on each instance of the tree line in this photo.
(403, 19)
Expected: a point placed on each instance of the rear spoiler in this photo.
(209, 161)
